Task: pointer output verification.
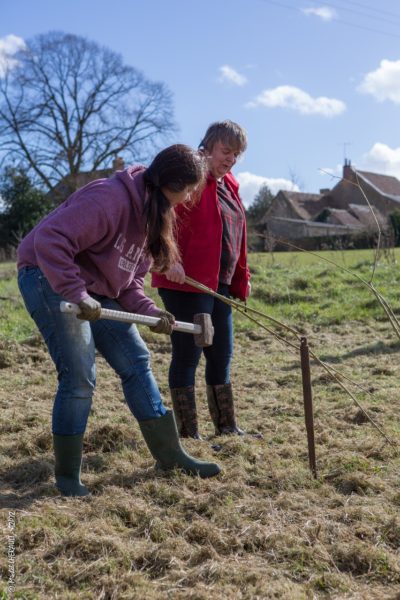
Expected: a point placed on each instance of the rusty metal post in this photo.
(308, 407)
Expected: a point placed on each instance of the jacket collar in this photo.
(228, 178)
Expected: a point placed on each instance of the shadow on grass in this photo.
(27, 482)
(23, 499)
(127, 481)
(376, 348)
(33, 480)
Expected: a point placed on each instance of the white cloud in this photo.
(323, 12)
(229, 74)
(251, 183)
(384, 83)
(293, 98)
(9, 45)
(333, 172)
(382, 159)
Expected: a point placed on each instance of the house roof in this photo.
(70, 183)
(365, 216)
(342, 217)
(385, 183)
(305, 205)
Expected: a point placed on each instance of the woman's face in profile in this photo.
(175, 198)
(221, 159)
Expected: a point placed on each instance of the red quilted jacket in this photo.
(199, 236)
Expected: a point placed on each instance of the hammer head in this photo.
(205, 338)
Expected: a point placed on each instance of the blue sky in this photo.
(310, 81)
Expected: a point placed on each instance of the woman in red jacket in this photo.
(212, 241)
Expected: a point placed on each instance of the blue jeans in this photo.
(72, 343)
(185, 354)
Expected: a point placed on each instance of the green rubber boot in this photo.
(161, 436)
(68, 454)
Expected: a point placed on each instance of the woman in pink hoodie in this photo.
(95, 250)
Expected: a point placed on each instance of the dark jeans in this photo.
(72, 343)
(185, 353)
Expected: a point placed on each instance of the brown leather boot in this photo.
(184, 403)
(220, 404)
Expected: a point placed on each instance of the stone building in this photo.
(71, 183)
(348, 214)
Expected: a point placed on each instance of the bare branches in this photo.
(70, 105)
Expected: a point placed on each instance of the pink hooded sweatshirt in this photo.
(94, 243)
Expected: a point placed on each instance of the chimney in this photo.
(347, 170)
(324, 190)
(118, 164)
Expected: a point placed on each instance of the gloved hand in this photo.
(165, 324)
(90, 309)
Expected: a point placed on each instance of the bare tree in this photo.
(295, 179)
(68, 104)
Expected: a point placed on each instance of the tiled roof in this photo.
(71, 183)
(385, 183)
(305, 205)
(365, 216)
(343, 217)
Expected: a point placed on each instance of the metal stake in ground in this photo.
(308, 407)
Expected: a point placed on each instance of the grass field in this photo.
(265, 528)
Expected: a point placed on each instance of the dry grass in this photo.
(263, 529)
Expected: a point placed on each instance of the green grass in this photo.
(345, 258)
(299, 288)
(264, 528)
(15, 323)
(294, 287)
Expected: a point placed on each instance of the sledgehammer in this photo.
(202, 328)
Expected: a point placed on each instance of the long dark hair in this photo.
(174, 168)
